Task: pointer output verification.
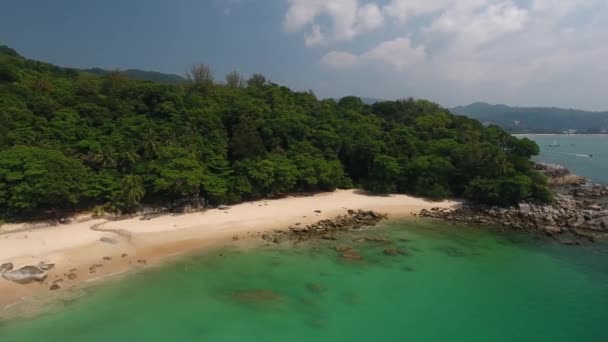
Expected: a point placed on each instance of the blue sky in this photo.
(518, 52)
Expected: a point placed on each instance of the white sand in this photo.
(77, 246)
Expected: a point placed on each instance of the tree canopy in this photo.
(70, 139)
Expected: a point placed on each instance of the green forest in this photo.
(72, 140)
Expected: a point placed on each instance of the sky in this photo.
(454, 52)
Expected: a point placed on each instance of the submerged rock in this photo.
(256, 296)
(316, 288)
(342, 248)
(351, 255)
(392, 251)
(25, 275)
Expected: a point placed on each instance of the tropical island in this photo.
(71, 140)
(95, 166)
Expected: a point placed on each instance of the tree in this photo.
(256, 80)
(176, 173)
(35, 178)
(199, 77)
(132, 191)
(384, 175)
(9, 73)
(235, 80)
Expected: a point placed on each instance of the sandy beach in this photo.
(132, 244)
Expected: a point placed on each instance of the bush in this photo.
(9, 73)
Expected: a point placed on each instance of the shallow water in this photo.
(457, 284)
(573, 152)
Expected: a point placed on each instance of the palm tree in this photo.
(132, 191)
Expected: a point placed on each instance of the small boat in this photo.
(554, 144)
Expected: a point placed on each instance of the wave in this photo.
(573, 154)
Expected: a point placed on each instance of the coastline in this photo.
(135, 243)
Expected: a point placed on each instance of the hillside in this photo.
(142, 75)
(73, 140)
(536, 119)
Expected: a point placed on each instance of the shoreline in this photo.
(136, 243)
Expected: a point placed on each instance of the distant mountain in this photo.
(143, 75)
(371, 100)
(535, 119)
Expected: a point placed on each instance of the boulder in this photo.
(6, 267)
(524, 208)
(25, 275)
(224, 207)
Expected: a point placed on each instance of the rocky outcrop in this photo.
(581, 211)
(25, 275)
(328, 228)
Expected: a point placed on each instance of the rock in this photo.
(224, 207)
(44, 266)
(351, 255)
(72, 276)
(316, 288)
(552, 230)
(525, 208)
(124, 255)
(142, 261)
(25, 275)
(343, 248)
(6, 267)
(276, 240)
(54, 287)
(108, 240)
(107, 258)
(380, 240)
(393, 252)
(329, 237)
(318, 211)
(94, 268)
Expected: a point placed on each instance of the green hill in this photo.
(536, 119)
(72, 140)
(142, 75)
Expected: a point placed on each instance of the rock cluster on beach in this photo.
(578, 210)
(326, 229)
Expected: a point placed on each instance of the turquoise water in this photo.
(456, 284)
(572, 152)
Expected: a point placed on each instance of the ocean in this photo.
(573, 152)
(453, 283)
(456, 283)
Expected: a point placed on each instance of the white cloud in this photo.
(340, 60)
(398, 54)
(528, 49)
(348, 19)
